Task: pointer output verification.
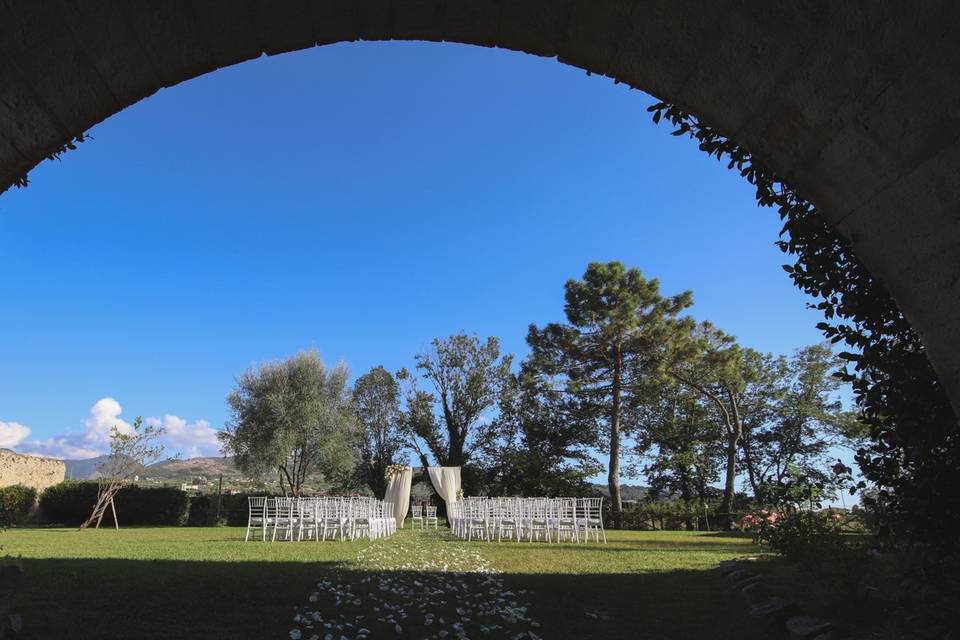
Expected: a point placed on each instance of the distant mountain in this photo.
(627, 491)
(184, 470)
(169, 471)
(83, 469)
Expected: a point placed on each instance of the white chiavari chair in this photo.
(307, 518)
(256, 515)
(594, 518)
(416, 515)
(565, 519)
(285, 519)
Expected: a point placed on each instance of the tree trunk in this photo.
(686, 495)
(613, 475)
(751, 472)
(733, 440)
(455, 458)
(734, 433)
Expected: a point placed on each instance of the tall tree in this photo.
(681, 440)
(605, 356)
(466, 376)
(802, 420)
(533, 448)
(376, 400)
(292, 417)
(715, 366)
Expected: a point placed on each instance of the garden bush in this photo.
(799, 535)
(71, 502)
(203, 511)
(233, 508)
(16, 502)
(665, 515)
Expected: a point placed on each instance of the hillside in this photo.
(184, 470)
(627, 491)
(83, 469)
(173, 471)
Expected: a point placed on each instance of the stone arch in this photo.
(856, 104)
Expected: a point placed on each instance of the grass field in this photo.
(208, 583)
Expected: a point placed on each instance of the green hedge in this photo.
(16, 502)
(233, 510)
(203, 511)
(71, 502)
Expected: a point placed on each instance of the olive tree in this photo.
(293, 417)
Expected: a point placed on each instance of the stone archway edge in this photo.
(856, 104)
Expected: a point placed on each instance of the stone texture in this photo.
(746, 580)
(740, 576)
(754, 592)
(806, 627)
(774, 611)
(31, 471)
(856, 104)
(729, 566)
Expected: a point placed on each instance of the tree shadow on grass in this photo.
(620, 547)
(106, 599)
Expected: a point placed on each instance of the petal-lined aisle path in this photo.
(416, 584)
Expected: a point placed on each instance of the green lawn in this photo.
(208, 583)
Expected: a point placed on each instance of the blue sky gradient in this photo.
(359, 199)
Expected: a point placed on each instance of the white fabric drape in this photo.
(446, 482)
(398, 492)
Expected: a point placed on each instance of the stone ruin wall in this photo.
(31, 471)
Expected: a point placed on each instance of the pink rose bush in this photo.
(759, 524)
(792, 532)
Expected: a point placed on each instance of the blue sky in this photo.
(359, 199)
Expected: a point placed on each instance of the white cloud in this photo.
(191, 439)
(12, 434)
(104, 416)
(58, 447)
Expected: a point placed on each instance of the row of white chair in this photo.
(556, 519)
(417, 516)
(319, 518)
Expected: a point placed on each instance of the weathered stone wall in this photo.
(30, 471)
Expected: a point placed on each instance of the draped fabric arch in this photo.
(446, 482)
(398, 492)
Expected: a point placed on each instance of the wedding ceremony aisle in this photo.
(431, 584)
(206, 582)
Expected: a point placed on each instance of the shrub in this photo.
(203, 510)
(797, 534)
(666, 515)
(72, 501)
(153, 505)
(69, 502)
(16, 502)
(233, 509)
